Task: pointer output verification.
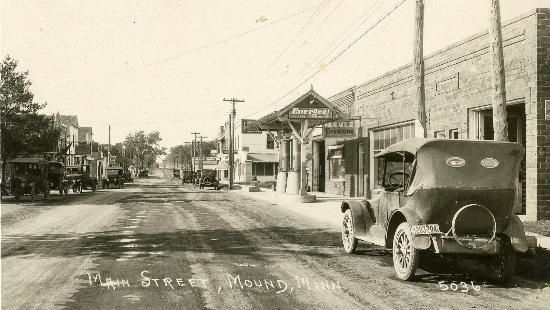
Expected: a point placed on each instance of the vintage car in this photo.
(143, 174)
(29, 176)
(56, 177)
(188, 177)
(74, 178)
(176, 173)
(127, 176)
(87, 181)
(207, 178)
(451, 197)
(114, 177)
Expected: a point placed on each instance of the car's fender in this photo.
(408, 215)
(515, 231)
(358, 212)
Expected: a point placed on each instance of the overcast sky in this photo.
(167, 65)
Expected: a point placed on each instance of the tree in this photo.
(500, 124)
(24, 132)
(142, 149)
(183, 152)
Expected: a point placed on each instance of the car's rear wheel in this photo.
(405, 255)
(503, 265)
(348, 234)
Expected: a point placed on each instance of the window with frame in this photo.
(453, 134)
(337, 164)
(270, 142)
(382, 139)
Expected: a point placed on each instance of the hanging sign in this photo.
(310, 113)
(338, 129)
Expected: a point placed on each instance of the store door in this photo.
(321, 166)
(516, 133)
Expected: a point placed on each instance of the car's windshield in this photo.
(394, 175)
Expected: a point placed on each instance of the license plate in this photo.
(425, 229)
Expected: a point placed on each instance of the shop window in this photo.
(270, 142)
(337, 164)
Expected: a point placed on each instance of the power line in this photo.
(333, 44)
(338, 55)
(191, 51)
(296, 36)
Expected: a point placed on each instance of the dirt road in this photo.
(158, 245)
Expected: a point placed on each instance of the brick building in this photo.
(458, 105)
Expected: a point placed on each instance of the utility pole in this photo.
(418, 67)
(201, 163)
(500, 124)
(194, 149)
(109, 149)
(231, 139)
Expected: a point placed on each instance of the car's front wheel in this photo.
(405, 255)
(348, 234)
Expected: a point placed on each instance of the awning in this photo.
(263, 158)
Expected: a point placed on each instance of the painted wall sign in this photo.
(310, 113)
(338, 129)
(249, 126)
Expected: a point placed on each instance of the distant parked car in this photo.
(114, 178)
(57, 177)
(187, 177)
(208, 179)
(74, 177)
(29, 176)
(143, 173)
(127, 176)
(451, 197)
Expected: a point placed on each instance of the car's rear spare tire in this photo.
(405, 255)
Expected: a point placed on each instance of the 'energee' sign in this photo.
(310, 113)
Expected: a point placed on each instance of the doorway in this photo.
(321, 165)
(516, 133)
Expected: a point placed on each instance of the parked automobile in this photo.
(74, 178)
(208, 179)
(114, 177)
(29, 176)
(187, 177)
(56, 177)
(176, 173)
(127, 176)
(87, 181)
(143, 173)
(452, 197)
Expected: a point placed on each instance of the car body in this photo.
(452, 197)
(29, 176)
(187, 177)
(74, 178)
(143, 173)
(87, 181)
(57, 177)
(114, 177)
(207, 178)
(127, 176)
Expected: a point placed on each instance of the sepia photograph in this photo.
(275, 154)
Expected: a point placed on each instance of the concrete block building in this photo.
(458, 105)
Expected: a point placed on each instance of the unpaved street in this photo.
(159, 245)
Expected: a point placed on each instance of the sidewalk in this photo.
(327, 209)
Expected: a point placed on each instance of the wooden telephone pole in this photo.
(418, 67)
(193, 150)
(500, 124)
(231, 139)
